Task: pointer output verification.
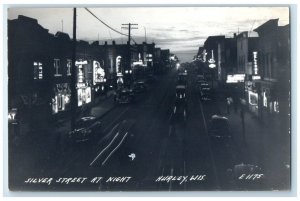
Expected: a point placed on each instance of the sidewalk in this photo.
(262, 146)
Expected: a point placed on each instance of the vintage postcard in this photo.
(149, 98)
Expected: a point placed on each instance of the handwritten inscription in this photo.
(118, 179)
(180, 179)
(39, 180)
(78, 180)
(251, 176)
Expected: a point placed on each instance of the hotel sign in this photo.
(255, 66)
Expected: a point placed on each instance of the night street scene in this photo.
(149, 99)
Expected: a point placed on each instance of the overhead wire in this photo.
(108, 25)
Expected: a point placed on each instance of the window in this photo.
(69, 66)
(57, 66)
(37, 70)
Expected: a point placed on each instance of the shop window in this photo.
(265, 99)
(276, 106)
(37, 70)
(69, 66)
(253, 98)
(57, 67)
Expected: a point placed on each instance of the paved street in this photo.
(141, 146)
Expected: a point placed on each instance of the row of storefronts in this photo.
(259, 61)
(40, 67)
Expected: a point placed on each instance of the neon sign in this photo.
(255, 67)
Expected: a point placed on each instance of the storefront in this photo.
(99, 79)
(270, 102)
(252, 96)
(84, 94)
(84, 89)
(62, 98)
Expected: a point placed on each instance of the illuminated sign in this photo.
(118, 64)
(149, 57)
(253, 98)
(212, 60)
(12, 115)
(80, 70)
(265, 100)
(256, 77)
(235, 78)
(77, 63)
(212, 65)
(88, 92)
(255, 67)
(37, 70)
(99, 73)
(276, 106)
(84, 95)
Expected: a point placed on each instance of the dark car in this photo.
(219, 127)
(139, 87)
(124, 95)
(206, 94)
(204, 84)
(180, 107)
(182, 78)
(180, 110)
(200, 78)
(86, 129)
(180, 93)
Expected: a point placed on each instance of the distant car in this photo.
(180, 107)
(124, 95)
(206, 94)
(182, 79)
(204, 84)
(180, 110)
(200, 78)
(139, 87)
(219, 127)
(180, 93)
(86, 128)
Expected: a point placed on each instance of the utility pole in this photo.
(145, 34)
(74, 75)
(129, 26)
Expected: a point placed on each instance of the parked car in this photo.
(219, 127)
(86, 128)
(139, 87)
(124, 95)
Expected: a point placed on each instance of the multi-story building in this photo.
(214, 46)
(247, 48)
(40, 69)
(29, 48)
(273, 68)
